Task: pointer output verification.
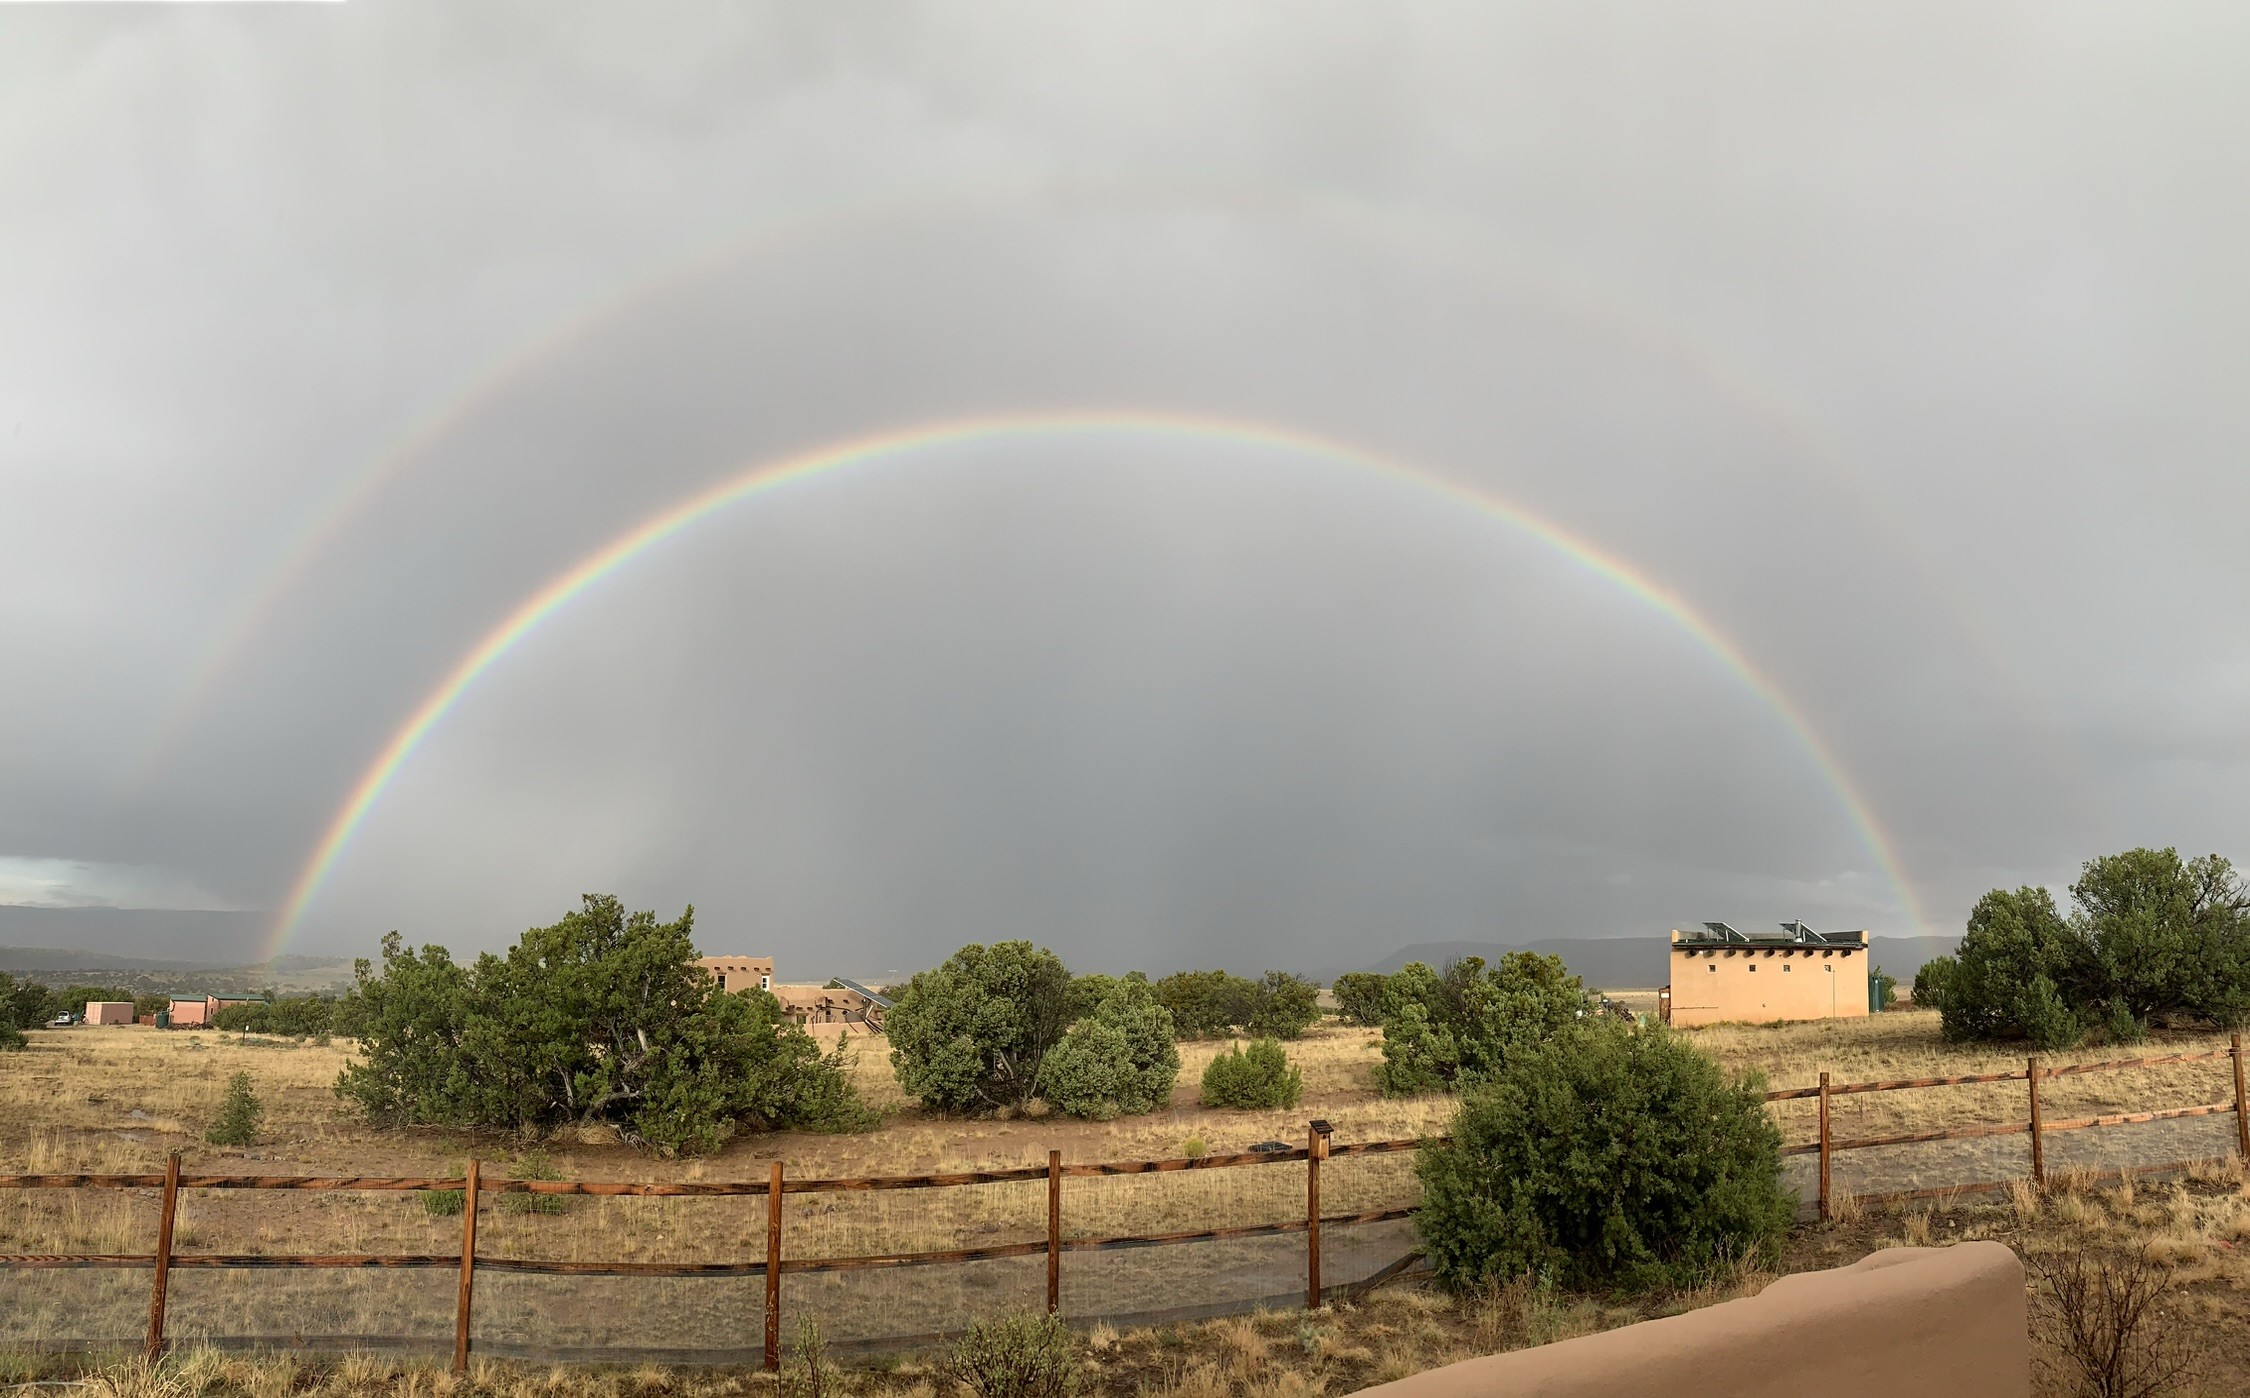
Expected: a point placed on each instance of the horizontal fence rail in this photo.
(777, 1187)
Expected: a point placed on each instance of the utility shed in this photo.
(1720, 975)
(109, 1012)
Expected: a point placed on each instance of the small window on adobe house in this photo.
(722, 980)
(1753, 968)
(765, 982)
(1714, 970)
(1785, 966)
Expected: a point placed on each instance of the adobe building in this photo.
(1720, 975)
(202, 1011)
(845, 1003)
(739, 972)
(840, 1003)
(109, 1012)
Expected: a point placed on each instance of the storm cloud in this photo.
(1900, 344)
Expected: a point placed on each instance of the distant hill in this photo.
(180, 936)
(59, 966)
(1639, 963)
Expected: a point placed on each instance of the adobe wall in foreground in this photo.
(1931, 1322)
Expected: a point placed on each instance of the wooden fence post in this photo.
(2038, 1144)
(164, 1256)
(1824, 1153)
(470, 1195)
(1054, 1231)
(2241, 1118)
(773, 1270)
(1312, 1219)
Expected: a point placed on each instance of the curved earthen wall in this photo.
(1932, 1322)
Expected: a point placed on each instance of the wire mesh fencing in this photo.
(691, 1272)
(724, 1272)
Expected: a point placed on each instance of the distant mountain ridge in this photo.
(60, 966)
(1641, 963)
(182, 936)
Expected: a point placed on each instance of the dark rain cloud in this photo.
(1900, 342)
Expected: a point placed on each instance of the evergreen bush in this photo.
(972, 1035)
(1445, 1032)
(1362, 997)
(601, 1018)
(1260, 1076)
(1610, 1157)
(239, 1115)
(1931, 981)
(1118, 1061)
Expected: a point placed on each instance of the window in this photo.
(1713, 969)
(1787, 967)
(1753, 968)
(722, 980)
(765, 982)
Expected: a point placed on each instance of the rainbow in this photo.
(1423, 234)
(769, 477)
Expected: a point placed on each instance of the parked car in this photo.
(62, 1021)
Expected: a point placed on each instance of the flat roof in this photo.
(1789, 934)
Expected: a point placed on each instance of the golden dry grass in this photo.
(116, 1099)
(1387, 1335)
(1907, 1044)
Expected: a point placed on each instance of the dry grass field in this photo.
(116, 1100)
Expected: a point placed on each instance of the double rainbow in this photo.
(889, 447)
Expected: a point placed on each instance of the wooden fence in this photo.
(772, 1266)
(2033, 1123)
(777, 1187)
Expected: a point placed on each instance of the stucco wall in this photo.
(1756, 984)
(109, 1012)
(1931, 1322)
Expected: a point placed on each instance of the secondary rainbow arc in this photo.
(767, 477)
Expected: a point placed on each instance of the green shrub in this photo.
(1363, 997)
(2152, 938)
(1260, 1076)
(239, 1115)
(1118, 1061)
(533, 1165)
(1444, 1032)
(1931, 980)
(972, 1034)
(1025, 1354)
(1214, 1004)
(1207, 1004)
(1284, 1007)
(1194, 1148)
(444, 1203)
(2121, 1027)
(603, 1017)
(1608, 1158)
(2013, 961)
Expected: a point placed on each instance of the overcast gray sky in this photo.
(1902, 344)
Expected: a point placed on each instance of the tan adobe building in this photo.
(1721, 975)
(844, 1003)
(109, 1012)
(841, 1003)
(739, 972)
